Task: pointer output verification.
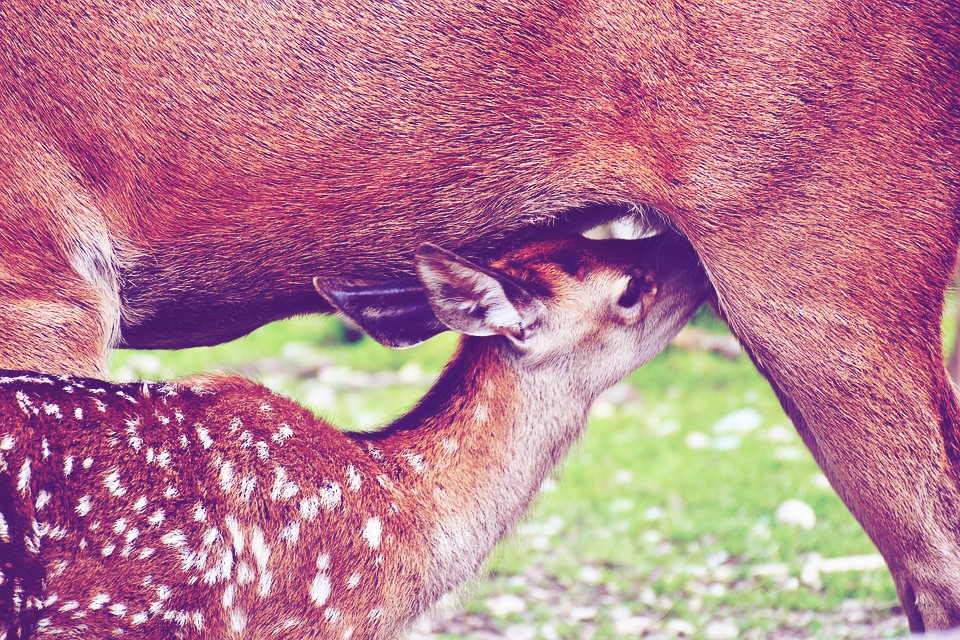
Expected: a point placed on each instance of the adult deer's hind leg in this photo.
(843, 318)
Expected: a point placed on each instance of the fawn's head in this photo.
(563, 299)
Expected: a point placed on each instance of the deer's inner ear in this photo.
(475, 300)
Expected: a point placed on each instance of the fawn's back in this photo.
(103, 480)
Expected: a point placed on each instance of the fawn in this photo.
(214, 508)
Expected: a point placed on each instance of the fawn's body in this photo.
(213, 508)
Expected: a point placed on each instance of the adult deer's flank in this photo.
(213, 508)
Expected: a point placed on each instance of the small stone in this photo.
(590, 574)
(780, 433)
(796, 513)
(810, 574)
(410, 374)
(579, 614)
(520, 632)
(549, 632)
(602, 410)
(726, 443)
(632, 625)
(505, 605)
(721, 630)
(820, 481)
(677, 627)
(654, 513)
(789, 454)
(742, 421)
(697, 440)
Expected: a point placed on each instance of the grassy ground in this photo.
(663, 523)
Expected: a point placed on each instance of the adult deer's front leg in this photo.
(844, 322)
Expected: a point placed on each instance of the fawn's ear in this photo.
(474, 300)
(395, 313)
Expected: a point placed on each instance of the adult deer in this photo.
(217, 509)
(176, 175)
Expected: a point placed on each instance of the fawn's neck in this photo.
(479, 445)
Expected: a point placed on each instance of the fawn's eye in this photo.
(637, 287)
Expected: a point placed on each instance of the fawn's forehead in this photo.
(553, 260)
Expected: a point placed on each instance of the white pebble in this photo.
(697, 440)
(680, 628)
(721, 630)
(504, 605)
(796, 513)
(742, 421)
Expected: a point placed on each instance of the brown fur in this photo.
(233, 151)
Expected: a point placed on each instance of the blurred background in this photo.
(690, 509)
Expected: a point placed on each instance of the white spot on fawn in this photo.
(283, 433)
(226, 475)
(227, 599)
(112, 482)
(372, 532)
(210, 536)
(205, 438)
(415, 460)
(247, 485)
(175, 538)
(353, 478)
(323, 561)
(259, 548)
(480, 413)
(330, 495)
(320, 589)
(353, 580)
(98, 601)
(245, 574)
(83, 506)
(52, 410)
(238, 621)
(235, 533)
(23, 479)
(264, 584)
(282, 489)
(290, 533)
(309, 508)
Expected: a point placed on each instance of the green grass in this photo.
(663, 529)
